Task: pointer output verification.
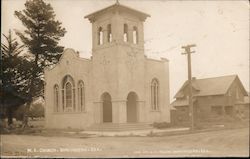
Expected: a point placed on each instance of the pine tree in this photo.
(14, 76)
(41, 38)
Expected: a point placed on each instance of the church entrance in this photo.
(132, 107)
(107, 107)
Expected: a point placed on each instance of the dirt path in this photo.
(217, 143)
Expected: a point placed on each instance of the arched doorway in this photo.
(132, 107)
(106, 107)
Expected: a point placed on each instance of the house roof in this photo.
(180, 102)
(211, 86)
(117, 6)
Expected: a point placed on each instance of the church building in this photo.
(119, 84)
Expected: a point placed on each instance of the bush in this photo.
(36, 110)
(162, 125)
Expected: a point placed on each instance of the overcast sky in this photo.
(220, 29)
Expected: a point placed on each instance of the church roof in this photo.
(120, 7)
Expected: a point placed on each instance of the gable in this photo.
(67, 55)
(238, 85)
(118, 7)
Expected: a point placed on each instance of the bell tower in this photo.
(117, 25)
(117, 48)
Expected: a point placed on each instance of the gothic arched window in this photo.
(68, 94)
(135, 35)
(155, 94)
(125, 33)
(100, 36)
(81, 96)
(109, 35)
(56, 98)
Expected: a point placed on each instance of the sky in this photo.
(220, 30)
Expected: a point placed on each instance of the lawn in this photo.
(233, 142)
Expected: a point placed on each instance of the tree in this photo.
(14, 74)
(41, 38)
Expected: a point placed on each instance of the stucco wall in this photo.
(159, 70)
(78, 69)
(116, 79)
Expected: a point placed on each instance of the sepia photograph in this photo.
(124, 78)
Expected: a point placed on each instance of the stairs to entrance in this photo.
(119, 127)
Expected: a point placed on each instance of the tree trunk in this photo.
(26, 114)
(31, 92)
(10, 115)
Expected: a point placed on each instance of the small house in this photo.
(212, 98)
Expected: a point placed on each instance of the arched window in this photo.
(135, 35)
(68, 94)
(56, 98)
(109, 35)
(100, 36)
(125, 33)
(155, 94)
(81, 96)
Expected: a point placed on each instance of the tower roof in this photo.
(117, 6)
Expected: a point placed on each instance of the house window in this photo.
(155, 94)
(56, 98)
(68, 94)
(183, 109)
(135, 35)
(81, 96)
(229, 110)
(100, 36)
(125, 33)
(109, 35)
(216, 110)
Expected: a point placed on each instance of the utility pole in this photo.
(191, 107)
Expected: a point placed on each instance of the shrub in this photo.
(161, 125)
(36, 110)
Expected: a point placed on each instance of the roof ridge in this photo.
(116, 5)
(217, 77)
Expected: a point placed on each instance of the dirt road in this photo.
(215, 143)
